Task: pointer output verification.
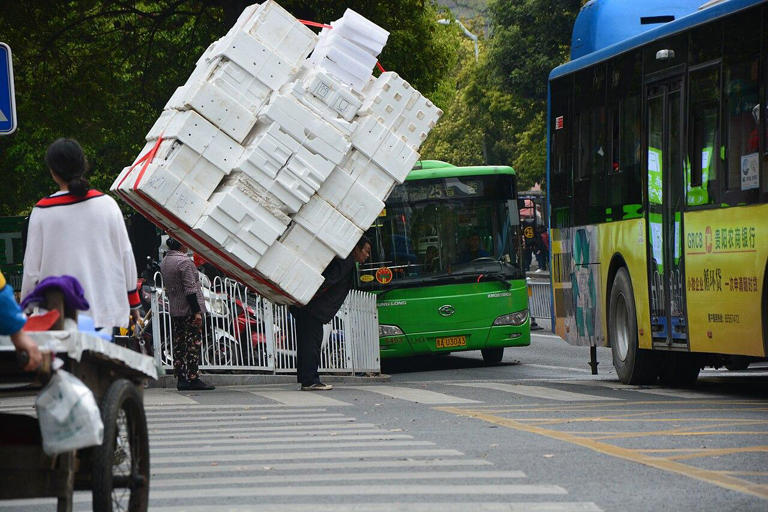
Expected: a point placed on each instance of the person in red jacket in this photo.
(339, 279)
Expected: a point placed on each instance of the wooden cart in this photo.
(117, 471)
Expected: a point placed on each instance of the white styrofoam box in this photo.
(351, 199)
(336, 187)
(308, 129)
(223, 151)
(196, 171)
(221, 109)
(310, 167)
(360, 206)
(184, 203)
(330, 226)
(251, 227)
(385, 148)
(401, 108)
(336, 39)
(333, 93)
(156, 183)
(320, 109)
(284, 266)
(158, 128)
(344, 67)
(281, 32)
(267, 150)
(187, 126)
(256, 58)
(361, 31)
(302, 282)
(238, 83)
(315, 253)
(369, 174)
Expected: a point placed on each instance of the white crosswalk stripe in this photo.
(421, 396)
(262, 458)
(536, 391)
(300, 398)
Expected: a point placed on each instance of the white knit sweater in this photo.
(87, 240)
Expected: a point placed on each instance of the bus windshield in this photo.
(445, 230)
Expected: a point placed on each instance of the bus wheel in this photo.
(492, 355)
(680, 369)
(633, 365)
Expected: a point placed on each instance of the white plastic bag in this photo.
(68, 415)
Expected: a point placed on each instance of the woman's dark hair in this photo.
(173, 244)
(66, 159)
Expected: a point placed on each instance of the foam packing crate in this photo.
(219, 106)
(306, 127)
(315, 253)
(278, 29)
(187, 126)
(331, 227)
(368, 174)
(387, 149)
(251, 226)
(265, 161)
(351, 198)
(401, 108)
(285, 267)
(267, 151)
(332, 93)
(256, 58)
(362, 31)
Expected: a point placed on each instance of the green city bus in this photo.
(446, 263)
(658, 186)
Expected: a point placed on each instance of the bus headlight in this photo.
(389, 330)
(516, 318)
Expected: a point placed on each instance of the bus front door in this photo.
(666, 197)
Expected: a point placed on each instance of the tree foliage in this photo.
(101, 71)
(498, 114)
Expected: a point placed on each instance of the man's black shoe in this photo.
(181, 383)
(195, 385)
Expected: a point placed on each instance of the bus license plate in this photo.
(451, 341)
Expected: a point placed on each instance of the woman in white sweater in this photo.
(80, 232)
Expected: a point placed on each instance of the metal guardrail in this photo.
(246, 332)
(539, 299)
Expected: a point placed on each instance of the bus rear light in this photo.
(389, 330)
(516, 318)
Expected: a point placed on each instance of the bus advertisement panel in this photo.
(446, 263)
(658, 187)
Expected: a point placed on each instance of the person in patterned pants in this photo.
(185, 302)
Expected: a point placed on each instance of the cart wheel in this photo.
(121, 463)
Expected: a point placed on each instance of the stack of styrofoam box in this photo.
(349, 50)
(269, 164)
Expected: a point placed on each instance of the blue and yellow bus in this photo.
(658, 185)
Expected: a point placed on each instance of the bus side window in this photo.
(701, 162)
(740, 95)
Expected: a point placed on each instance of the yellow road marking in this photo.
(704, 475)
(711, 452)
(760, 406)
(631, 435)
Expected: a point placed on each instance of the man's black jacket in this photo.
(339, 279)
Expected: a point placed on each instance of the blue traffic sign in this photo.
(7, 96)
